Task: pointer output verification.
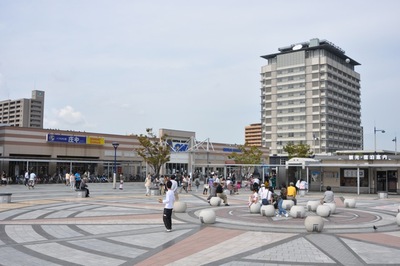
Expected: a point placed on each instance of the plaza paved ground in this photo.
(50, 226)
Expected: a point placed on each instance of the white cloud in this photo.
(66, 118)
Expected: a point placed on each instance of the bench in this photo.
(5, 197)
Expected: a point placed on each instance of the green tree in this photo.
(153, 151)
(250, 155)
(300, 150)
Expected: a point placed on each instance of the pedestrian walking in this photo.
(72, 180)
(67, 179)
(147, 184)
(26, 178)
(32, 178)
(174, 187)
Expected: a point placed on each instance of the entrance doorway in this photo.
(387, 181)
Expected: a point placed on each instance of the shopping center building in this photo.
(54, 152)
(50, 152)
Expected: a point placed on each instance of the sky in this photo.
(119, 67)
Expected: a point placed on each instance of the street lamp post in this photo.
(377, 130)
(395, 145)
(115, 145)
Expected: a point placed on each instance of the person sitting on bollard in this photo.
(328, 196)
(291, 193)
(266, 196)
(83, 186)
(220, 194)
(253, 198)
(282, 196)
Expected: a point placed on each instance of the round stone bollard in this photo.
(227, 192)
(255, 207)
(180, 206)
(287, 204)
(314, 223)
(398, 219)
(312, 205)
(331, 205)
(323, 210)
(207, 216)
(267, 210)
(215, 201)
(350, 203)
(297, 211)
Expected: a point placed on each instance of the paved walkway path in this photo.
(50, 226)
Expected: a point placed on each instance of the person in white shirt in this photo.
(174, 187)
(67, 176)
(265, 195)
(26, 177)
(32, 178)
(169, 205)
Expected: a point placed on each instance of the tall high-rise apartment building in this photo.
(23, 112)
(310, 93)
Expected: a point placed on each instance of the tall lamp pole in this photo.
(395, 145)
(115, 145)
(377, 130)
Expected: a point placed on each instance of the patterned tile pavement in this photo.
(51, 226)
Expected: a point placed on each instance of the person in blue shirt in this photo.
(77, 180)
(169, 205)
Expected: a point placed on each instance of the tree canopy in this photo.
(300, 150)
(248, 155)
(154, 152)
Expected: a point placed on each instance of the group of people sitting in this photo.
(266, 195)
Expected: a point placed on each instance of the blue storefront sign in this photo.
(66, 139)
(231, 150)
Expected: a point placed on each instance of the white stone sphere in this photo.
(267, 210)
(312, 205)
(298, 211)
(287, 204)
(350, 203)
(215, 201)
(331, 205)
(255, 207)
(207, 216)
(398, 219)
(180, 206)
(323, 210)
(314, 223)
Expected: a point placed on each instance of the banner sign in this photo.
(56, 138)
(369, 157)
(95, 140)
(66, 139)
(231, 150)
